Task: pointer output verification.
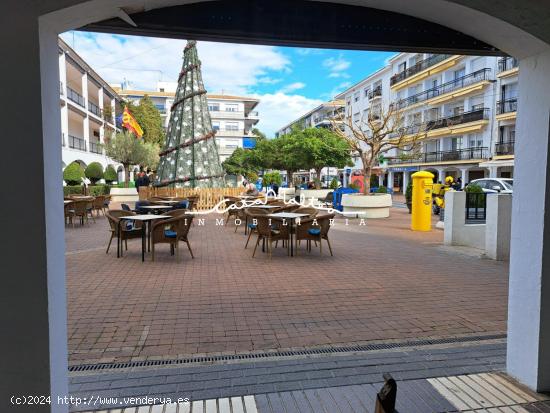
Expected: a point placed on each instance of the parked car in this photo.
(495, 185)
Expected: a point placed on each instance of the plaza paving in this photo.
(384, 283)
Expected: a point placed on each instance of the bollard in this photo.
(421, 217)
(385, 399)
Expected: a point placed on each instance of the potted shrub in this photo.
(409, 196)
(73, 174)
(334, 184)
(110, 175)
(94, 172)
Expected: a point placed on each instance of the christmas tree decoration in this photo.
(189, 158)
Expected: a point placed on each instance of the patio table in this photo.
(292, 217)
(154, 208)
(165, 201)
(145, 229)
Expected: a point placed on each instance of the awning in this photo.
(497, 163)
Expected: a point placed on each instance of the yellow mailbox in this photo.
(422, 201)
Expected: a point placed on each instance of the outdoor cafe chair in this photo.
(98, 204)
(307, 210)
(268, 235)
(128, 229)
(314, 229)
(171, 231)
(251, 214)
(192, 201)
(78, 208)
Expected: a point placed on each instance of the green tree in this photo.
(151, 159)
(73, 174)
(260, 136)
(94, 172)
(323, 148)
(128, 150)
(242, 162)
(287, 154)
(273, 177)
(148, 117)
(110, 174)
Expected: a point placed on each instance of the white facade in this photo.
(455, 98)
(233, 117)
(88, 106)
(319, 117)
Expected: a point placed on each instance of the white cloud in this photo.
(232, 68)
(292, 87)
(278, 109)
(336, 64)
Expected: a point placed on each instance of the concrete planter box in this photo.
(124, 195)
(286, 193)
(314, 195)
(367, 206)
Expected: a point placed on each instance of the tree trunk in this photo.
(318, 180)
(126, 175)
(289, 178)
(367, 171)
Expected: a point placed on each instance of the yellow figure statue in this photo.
(439, 193)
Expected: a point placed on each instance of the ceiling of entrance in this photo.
(297, 23)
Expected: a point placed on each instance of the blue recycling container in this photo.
(337, 197)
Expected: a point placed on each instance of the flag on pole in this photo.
(130, 123)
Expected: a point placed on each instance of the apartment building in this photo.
(233, 117)
(465, 105)
(321, 116)
(88, 107)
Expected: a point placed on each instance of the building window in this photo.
(216, 125)
(214, 107)
(161, 89)
(367, 90)
(231, 126)
(231, 107)
(356, 96)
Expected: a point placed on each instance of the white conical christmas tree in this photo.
(189, 157)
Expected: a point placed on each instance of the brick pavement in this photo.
(384, 283)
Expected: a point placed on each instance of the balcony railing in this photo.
(504, 148)
(96, 147)
(92, 107)
(377, 91)
(459, 83)
(507, 63)
(418, 67)
(77, 143)
(444, 156)
(507, 105)
(254, 113)
(465, 117)
(75, 97)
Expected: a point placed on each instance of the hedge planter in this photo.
(124, 195)
(367, 206)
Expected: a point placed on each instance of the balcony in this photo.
(374, 93)
(443, 156)
(446, 122)
(96, 147)
(77, 143)
(75, 97)
(504, 148)
(507, 106)
(507, 63)
(454, 85)
(465, 117)
(418, 67)
(92, 107)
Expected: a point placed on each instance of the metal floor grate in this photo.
(278, 354)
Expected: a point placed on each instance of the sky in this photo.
(289, 81)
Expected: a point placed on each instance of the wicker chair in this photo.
(68, 214)
(171, 231)
(78, 208)
(307, 210)
(98, 204)
(314, 229)
(128, 229)
(192, 202)
(251, 221)
(269, 235)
